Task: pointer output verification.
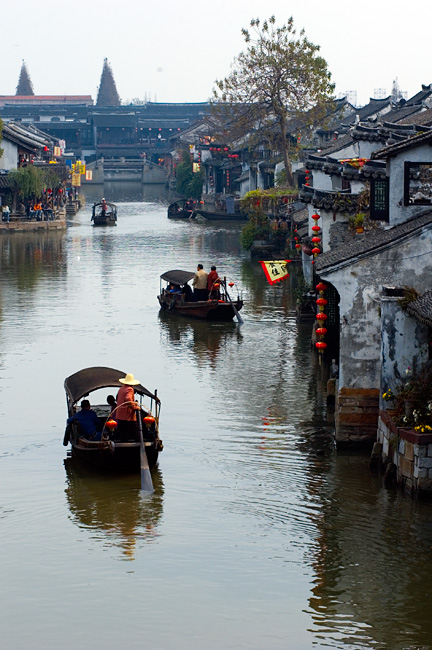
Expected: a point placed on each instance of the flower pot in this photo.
(359, 230)
(409, 407)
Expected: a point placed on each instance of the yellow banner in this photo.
(276, 270)
(82, 168)
(76, 179)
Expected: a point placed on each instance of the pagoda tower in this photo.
(107, 94)
(25, 86)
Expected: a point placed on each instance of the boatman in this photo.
(199, 284)
(125, 413)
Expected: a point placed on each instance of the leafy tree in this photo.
(188, 182)
(31, 181)
(278, 78)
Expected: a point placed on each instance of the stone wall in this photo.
(408, 452)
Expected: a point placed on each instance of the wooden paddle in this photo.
(146, 479)
(239, 318)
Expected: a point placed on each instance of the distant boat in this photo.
(182, 210)
(224, 209)
(107, 217)
(180, 300)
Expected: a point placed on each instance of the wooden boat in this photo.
(104, 218)
(110, 452)
(182, 210)
(214, 215)
(177, 298)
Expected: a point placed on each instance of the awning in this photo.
(88, 380)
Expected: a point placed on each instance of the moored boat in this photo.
(177, 298)
(104, 213)
(111, 452)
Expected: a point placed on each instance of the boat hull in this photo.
(214, 310)
(221, 216)
(115, 457)
(104, 221)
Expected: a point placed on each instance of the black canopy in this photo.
(178, 277)
(85, 381)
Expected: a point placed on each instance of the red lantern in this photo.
(321, 301)
(321, 316)
(298, 245)
(149, 419)
(111, 424)
(306, 171)
(321, 345)
(316, 240)
(316, 217)
(316, 228)
(316, 250)
(230, 284)
(321, 286)
(321, 331)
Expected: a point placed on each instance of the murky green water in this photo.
(258, 536)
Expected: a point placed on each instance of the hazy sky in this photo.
(173, 50)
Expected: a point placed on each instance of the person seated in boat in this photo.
(213, 280)
(112, 402)
(127, 407)
(187, 292)
(90, 425)
(174, 288)
(199, 283)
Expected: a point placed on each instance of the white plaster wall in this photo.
(320, 180)
(9, 159)
(359, 286)
(404, 344)
(395, 166)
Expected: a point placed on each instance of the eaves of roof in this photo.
(421, 309)
(374, 241)
(407, 143)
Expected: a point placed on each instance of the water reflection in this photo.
(125, 191)
(366, 590)
(206, 339)
(26, 258)
(114, 506)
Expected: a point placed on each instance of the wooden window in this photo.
(379, 199)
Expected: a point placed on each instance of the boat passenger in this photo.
(212, 280)
(111, 401)
(174, 288)
(127, 428)
(199, 283)
(104, 207)
(90, 425)
(187, 292)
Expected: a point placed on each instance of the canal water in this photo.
(259, 536)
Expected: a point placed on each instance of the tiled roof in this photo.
(408, 143)
(371, 242)
(424, 118)
(421, 308)
(337, 145)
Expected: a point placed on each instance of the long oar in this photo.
(146, 479)
(239, 318)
